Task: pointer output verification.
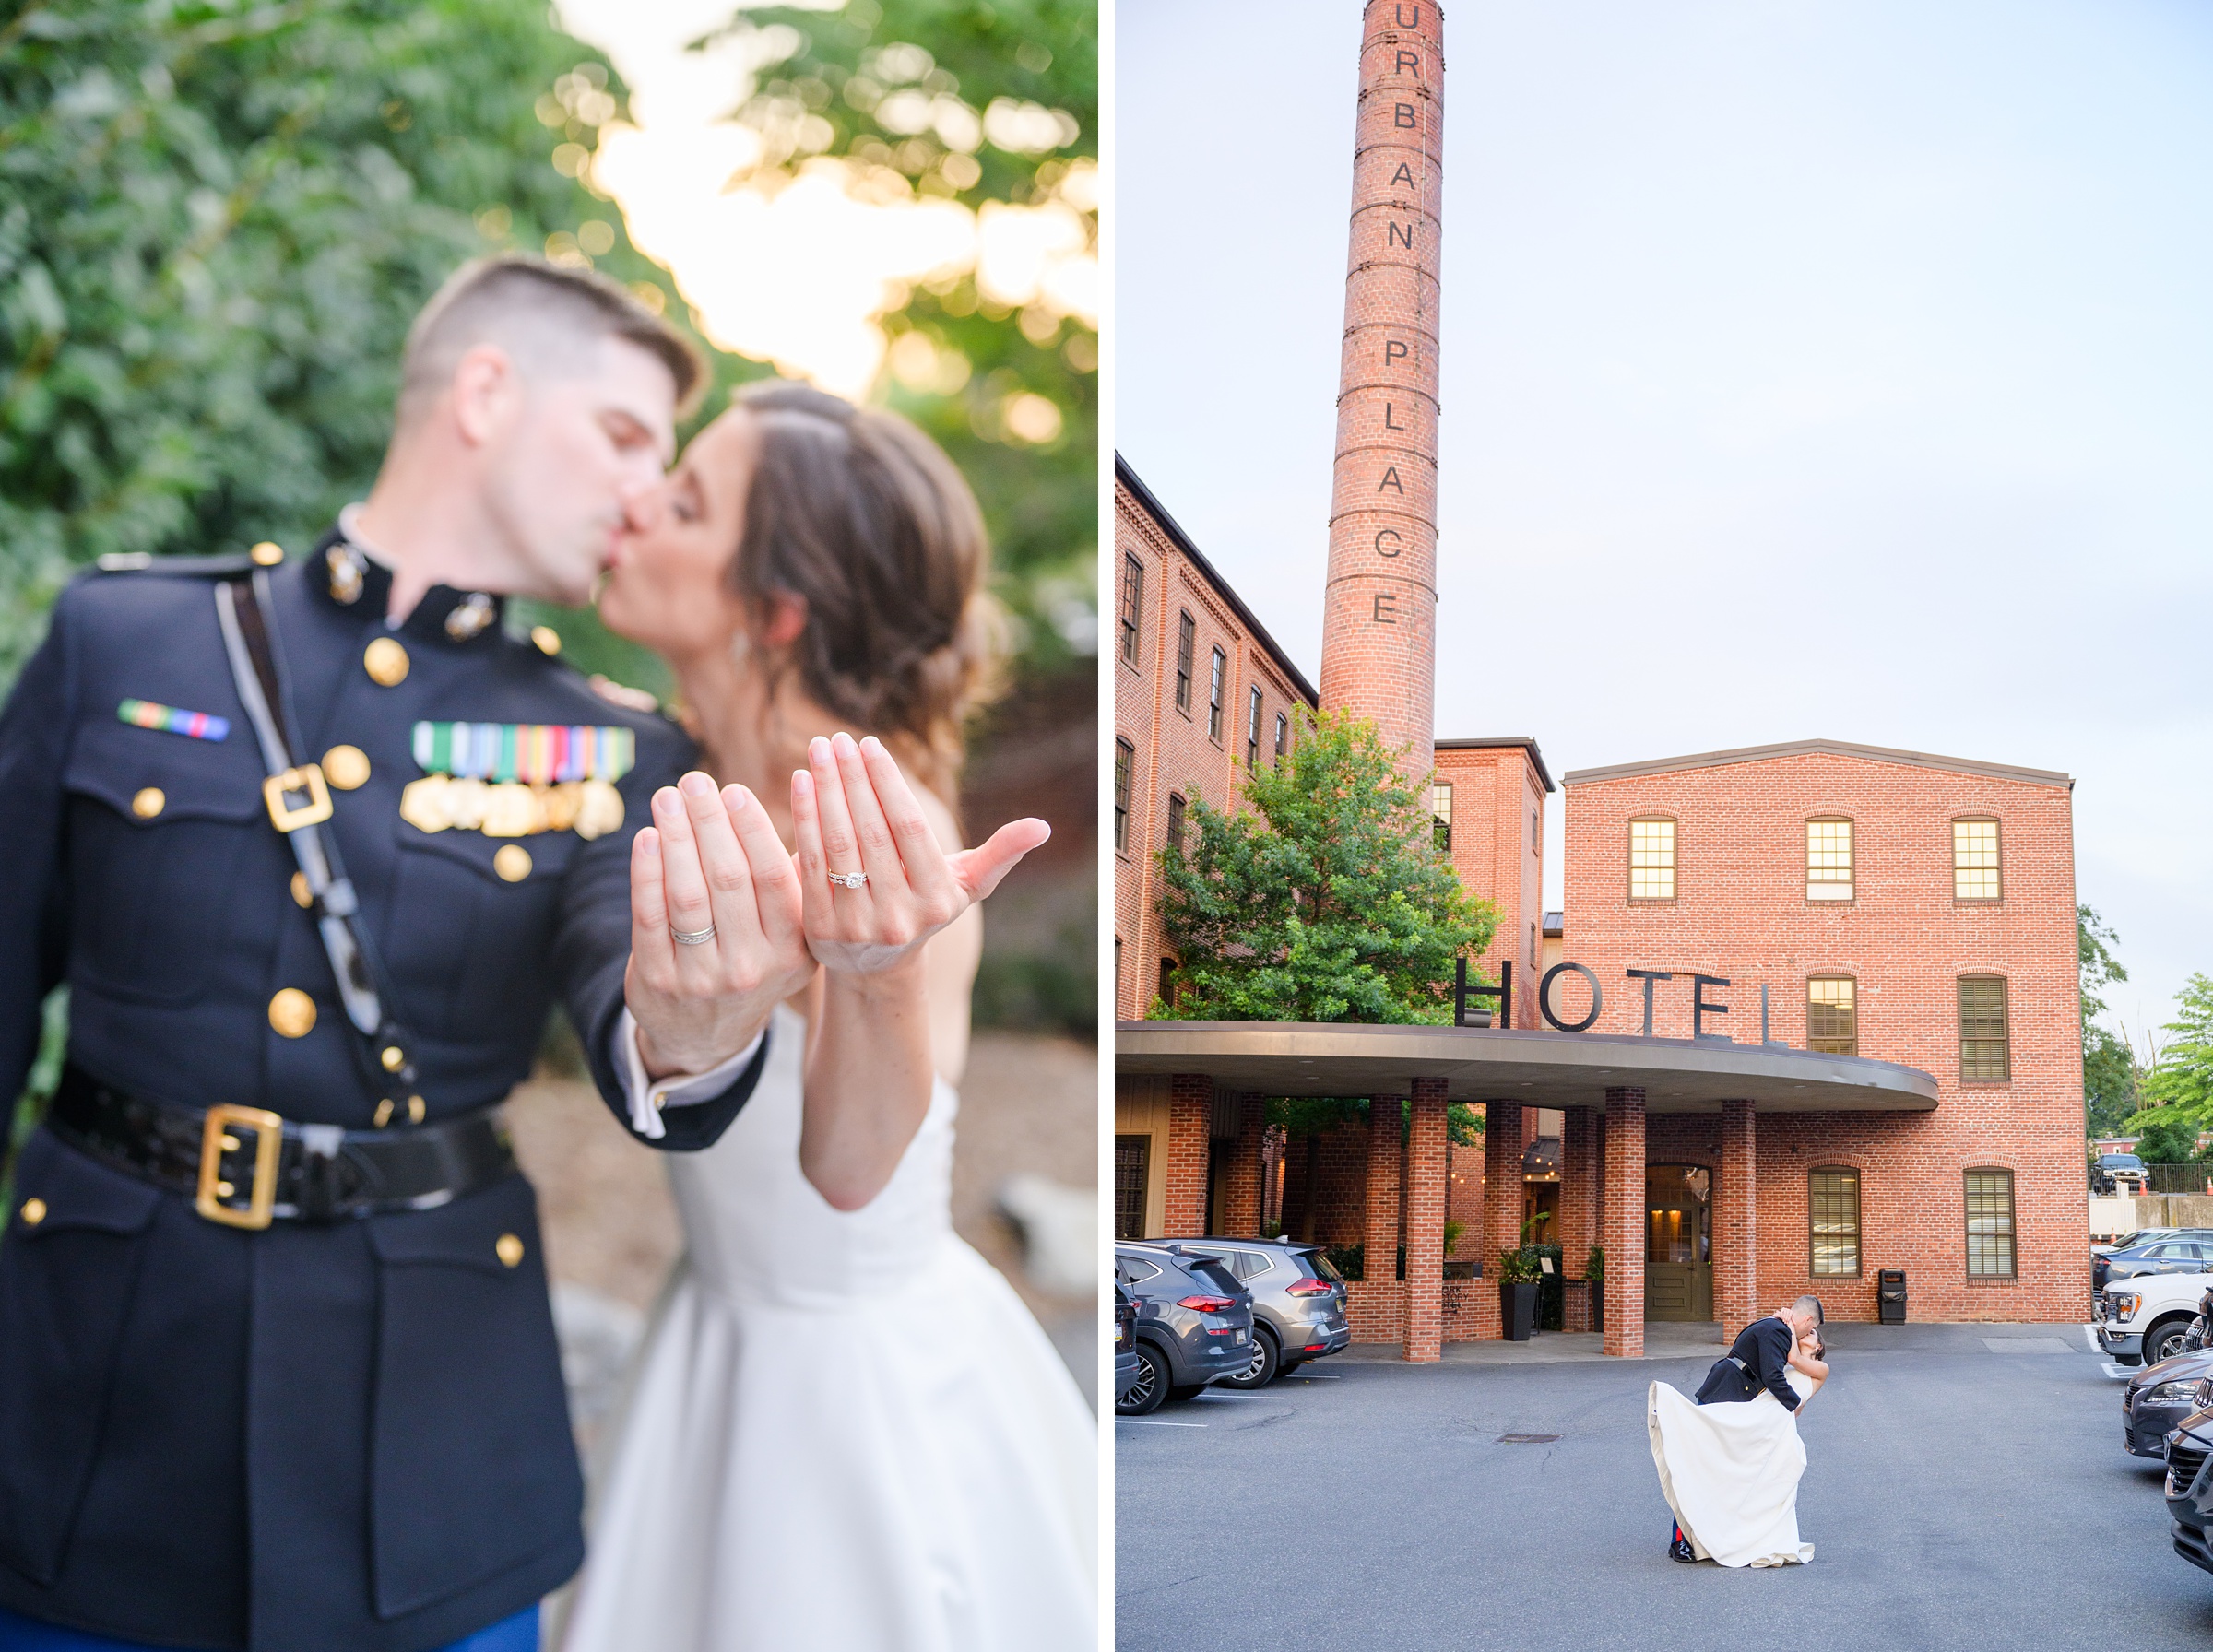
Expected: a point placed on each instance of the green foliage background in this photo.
(1327, 900)
(219, 216)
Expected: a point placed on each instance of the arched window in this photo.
(1833, 1212)
(1989, 1223)
(1828, 860)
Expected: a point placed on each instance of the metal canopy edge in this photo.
(1535, 1069)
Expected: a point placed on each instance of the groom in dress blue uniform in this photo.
(277, 1366)
(1759, 1359)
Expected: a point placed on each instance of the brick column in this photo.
(1242, 1220)
(1190, 1117)
(1501, 1207)
(1578, 1189)
(1737, 1221)
(1625, 1222)
(1379, 1233)
(1425, 1221)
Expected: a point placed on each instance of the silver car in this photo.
(1297, 1302)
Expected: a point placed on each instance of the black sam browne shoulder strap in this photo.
(299, 803)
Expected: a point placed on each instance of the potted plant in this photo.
(1517, 1294)
(1595, 1271)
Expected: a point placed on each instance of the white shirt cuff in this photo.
(646, 1096)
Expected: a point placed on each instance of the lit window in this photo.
(1175, 823)
(1282, 737)
(1828, 860)
(1990, 1224)
(1975, 860)
(1651, 860)
(1833, 1203)
(1832, 1020)
(1125, 754)
(1214, 696)
(1134, 597)
(1982, 1029)
(1440, 813)
(1252, 731)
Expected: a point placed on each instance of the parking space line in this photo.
(1148, 1423)
(1263, 1397)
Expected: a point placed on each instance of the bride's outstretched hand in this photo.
(874, 882)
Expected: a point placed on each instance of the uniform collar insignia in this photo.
(348, 575)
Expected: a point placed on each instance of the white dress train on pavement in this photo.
(845, 1431)
(1730, 1473)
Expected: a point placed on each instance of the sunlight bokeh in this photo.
(792, 257)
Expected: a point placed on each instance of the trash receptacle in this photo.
(1890, 1296)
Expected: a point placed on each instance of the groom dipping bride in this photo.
(1730, 1461)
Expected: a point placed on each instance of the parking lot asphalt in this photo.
(1966, 1486)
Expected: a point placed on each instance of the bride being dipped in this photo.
(1731, 1460)
(845, 1430)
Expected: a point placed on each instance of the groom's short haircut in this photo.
(1811, 1305)
(542, 315)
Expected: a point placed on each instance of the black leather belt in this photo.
(245, 1166)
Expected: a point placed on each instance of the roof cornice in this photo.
(1527, 743)
(1875, 754)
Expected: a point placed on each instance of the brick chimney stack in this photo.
(1378, 634)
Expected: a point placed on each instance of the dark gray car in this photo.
(1194, 1324)
(2187, 1252)
(2155, 1400)
(1126, 1366)
(1297, 1302)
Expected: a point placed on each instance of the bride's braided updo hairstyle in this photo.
(863, 517)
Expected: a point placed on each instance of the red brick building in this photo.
(1863, 1047)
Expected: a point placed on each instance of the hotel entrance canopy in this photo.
(1533, 1068)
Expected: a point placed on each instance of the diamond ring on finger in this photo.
(694, 937)
(849, 879)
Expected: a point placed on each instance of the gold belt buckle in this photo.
(308, 778)
(216, 1139)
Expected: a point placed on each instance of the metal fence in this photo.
(2179, 1178)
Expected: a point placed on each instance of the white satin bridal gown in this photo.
(845, 1431)
(1730, 1474)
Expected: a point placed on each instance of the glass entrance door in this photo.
(1678, 1242)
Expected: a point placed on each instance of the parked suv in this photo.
(1194, 1324)
(2155, 1400)
(1297, 1302)
(1126, 1366)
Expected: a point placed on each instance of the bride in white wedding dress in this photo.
(844, 1431)
(1730, 1470)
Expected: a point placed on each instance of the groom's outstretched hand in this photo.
(709, 862)
(875, 884)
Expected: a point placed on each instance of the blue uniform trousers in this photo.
(518, 1633)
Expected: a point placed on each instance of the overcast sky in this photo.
(1837, 369)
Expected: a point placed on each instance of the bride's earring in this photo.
(742, 648)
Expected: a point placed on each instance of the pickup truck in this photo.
(2147, 1318)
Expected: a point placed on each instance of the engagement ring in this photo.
(849, 879)
(697, 937)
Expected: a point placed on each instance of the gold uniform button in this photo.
(347, 767)
(509, 1250)
(302, 894)
(34, 1213)
(268, 554)
(512, 862)
(392, 1058)
(293, 1013)
(149, 802)
(385, 661)
(547, 639)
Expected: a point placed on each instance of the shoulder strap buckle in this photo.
(307, 778)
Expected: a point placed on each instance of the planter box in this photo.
(1517, 1310)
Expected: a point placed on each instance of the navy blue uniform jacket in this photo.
(1764, 1348)
(310, 1438)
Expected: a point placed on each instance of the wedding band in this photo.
(697, 937)
(849, 879)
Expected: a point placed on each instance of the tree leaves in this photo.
(1327, 900)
